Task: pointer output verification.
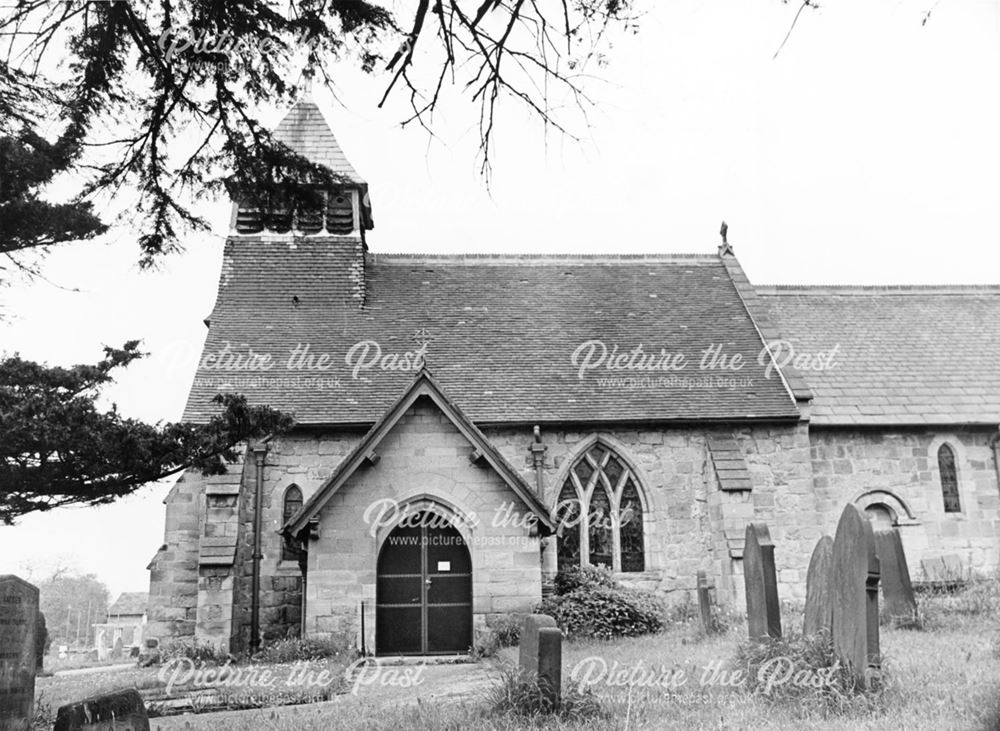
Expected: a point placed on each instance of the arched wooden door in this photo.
(423, 600)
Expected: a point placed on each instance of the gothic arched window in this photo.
(599, 514)
(949, 479)
(290, 548)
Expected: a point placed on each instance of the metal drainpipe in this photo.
(995, 441)
(259, 452)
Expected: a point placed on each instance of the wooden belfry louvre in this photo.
(335, 215)
(424, 590)
(600, 514)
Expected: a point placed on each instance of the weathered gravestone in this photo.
(18, 618)
(41, 640)
(550, 664)
(819, 602)
(854, 587)
(540, 654)
(761, 583)
(120, 711)
(953, 567)
(900, 602)
(706, 605)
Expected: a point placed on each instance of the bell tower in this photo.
(344, 211)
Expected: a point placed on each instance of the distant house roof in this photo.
(132, 603)
(500, 335)
(902, 355)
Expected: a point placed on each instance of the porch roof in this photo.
(422, 386)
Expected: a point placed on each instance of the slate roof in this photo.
(730, 465)
(500, 333)
(905, 355)
(131, 603)
(305, 130)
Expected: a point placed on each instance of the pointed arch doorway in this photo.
(423, 594)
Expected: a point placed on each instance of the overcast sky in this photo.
(867, 152)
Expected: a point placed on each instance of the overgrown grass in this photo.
(304, 650)
(518, 694)
(804, 674)
(945, 677)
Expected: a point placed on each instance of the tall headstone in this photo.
(855, 579)
(761, 583)
(18, 617)
(706, 605)
(819, 602)
(897, 590)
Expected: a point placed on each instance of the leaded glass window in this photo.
(949, 479)
(290, 548)
(599, 514)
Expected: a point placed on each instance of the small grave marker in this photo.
(550, 664)
(706, 604)
(540, 655)
(18, 658)
(120, 711)
(528, 649)
(819, 602)
(761, 583)
(897, 590)
(855, 577)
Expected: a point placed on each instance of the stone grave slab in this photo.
(855, 575)
(706, 604)
(761, 583)
(120, 711)
(18, 653)
(550, 664)
(819, 602)
(897, 590)
(528, 649)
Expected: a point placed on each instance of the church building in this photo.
(466, 426)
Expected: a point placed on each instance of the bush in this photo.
(804, 671)
(508, 630)
(504, 632)
(584, 577)
(590, 603)
(521, 695)
(206, 653)
(296, 649)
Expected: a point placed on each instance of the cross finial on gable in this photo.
(307, 80)
(725, 247)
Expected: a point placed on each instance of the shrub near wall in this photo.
(589, 603)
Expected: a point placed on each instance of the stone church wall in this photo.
(424, 458)
(898, 468)
(692, 525)
(173, 572)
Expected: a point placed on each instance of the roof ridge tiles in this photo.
(402, 258)
(862, 289)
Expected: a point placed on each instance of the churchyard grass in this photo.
(944, 678)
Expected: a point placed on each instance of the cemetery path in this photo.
(394, 685)
(91, 671)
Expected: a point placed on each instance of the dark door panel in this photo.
(424, 591)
